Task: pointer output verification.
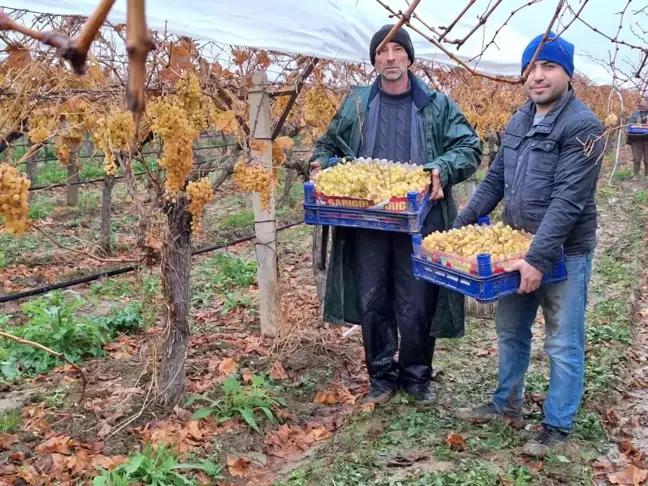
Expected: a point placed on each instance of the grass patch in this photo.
(112, 288)
(10, 422)
(239, 220)
(225, 277)
(50, 173)
(641, 197)
(40, 207)
(623, 174)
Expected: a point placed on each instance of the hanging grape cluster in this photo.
(199, 194)
(62, 152)
(200, 108)
(14, 192)
(170, 122)
(253, 178)
(319, 108)
(114, 133)
(79, 117)
(41, 124)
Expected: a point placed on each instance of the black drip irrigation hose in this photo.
(100, 155)
(136, 174)
(130, 268)
(116, 178)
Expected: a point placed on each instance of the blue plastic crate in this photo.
(634, 130)
(484, 287)
(410, 221)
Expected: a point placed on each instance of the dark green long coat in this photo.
(452, 147)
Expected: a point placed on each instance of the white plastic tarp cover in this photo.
(342, 29)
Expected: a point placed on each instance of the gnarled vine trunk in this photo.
(176, 287)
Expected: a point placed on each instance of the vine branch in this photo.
(60, 356)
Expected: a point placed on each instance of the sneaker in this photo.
(487, 413)
(380, 393)
(422, 393)
(548, 438)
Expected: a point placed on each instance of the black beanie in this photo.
(401, 37)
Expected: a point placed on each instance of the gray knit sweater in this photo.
(394, 127)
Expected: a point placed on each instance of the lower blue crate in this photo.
(637, 130)
(483, 289)
(368, 219)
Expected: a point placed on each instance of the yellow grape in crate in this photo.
(372, 179)
(499, 240)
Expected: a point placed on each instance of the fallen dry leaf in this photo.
(456, 442)
(6, 441)
(17, 457)
(194, 430)
(601, 468)
(213, 363)
(611, 418)
(239, 467)
(290, 441)
(278, 372)
(325, 398)
(534, 466)
(59, 444)
(368, 407)
(108, 462)
(104, 431)
(633, 476)
(247, 377)
(181, 413)
(227, 367)
(503, 481)
(485, 352)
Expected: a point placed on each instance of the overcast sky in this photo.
(341, 29)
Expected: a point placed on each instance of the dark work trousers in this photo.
(639, 154)
(391, 300)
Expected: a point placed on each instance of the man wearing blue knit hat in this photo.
(546, 172)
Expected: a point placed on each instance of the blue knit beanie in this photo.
(555, 49)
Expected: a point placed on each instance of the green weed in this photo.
(128, 319)
(641, 197)
(155, 467)
(587, 426)
(471, 473)
(608, 333)
(53, 321)
(624, 174)
(245, 401)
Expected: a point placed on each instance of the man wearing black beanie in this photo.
(370, 280)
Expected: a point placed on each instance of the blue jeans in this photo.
(563, 305)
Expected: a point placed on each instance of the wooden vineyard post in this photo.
(72, 189)
(31, 163)
(265, 226)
